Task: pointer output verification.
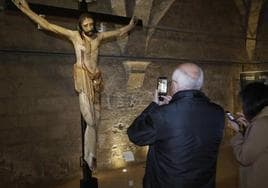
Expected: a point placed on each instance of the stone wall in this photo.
(40, 132)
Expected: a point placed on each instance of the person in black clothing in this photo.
(183, 133)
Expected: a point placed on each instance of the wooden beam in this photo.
(71, 13)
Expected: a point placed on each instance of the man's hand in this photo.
(166, 100)
(21, 4)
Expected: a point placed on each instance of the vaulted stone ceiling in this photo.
(153, 11)
(251, 12)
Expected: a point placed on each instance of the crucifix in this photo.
(87, 75)
(73, 13)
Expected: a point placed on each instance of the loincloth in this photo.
(87, 82)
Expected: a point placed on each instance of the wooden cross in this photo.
(72, 13)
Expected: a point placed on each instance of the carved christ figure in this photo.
(87, 76)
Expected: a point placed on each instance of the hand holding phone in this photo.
(230, 116)
(235, 124)
(162, 87)
(166, 99)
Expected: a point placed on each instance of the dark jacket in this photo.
(183, 139)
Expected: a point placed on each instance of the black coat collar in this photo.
(188, 94)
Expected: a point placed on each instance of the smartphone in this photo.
(230, 116)
(162, 87)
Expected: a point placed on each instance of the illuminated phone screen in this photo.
(230, 116)
(162, 85)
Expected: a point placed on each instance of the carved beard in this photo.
(90, 34)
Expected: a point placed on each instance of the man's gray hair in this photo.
(186, 82)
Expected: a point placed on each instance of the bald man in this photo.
(183, 133)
